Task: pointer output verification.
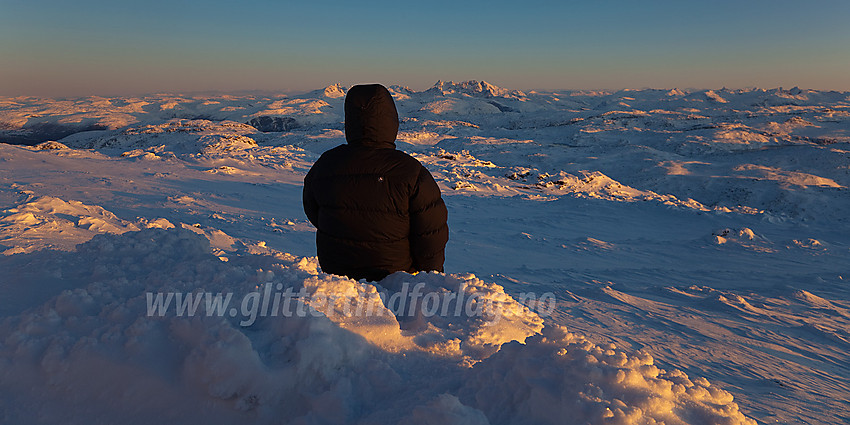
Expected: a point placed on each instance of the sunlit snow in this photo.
(633, 257)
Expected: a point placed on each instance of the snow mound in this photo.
(459, 107)
(124, 342)
(743, 237)
(742, 135)
(594, 184)
(426, 138)
(49, 222)
(228, 147)
(812, 299)
(559, 375)
(789, 125)
(174, 137)
(459, 316)
(786, 179)
(50, 145)
(308, 110)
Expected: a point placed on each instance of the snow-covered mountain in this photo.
(671, 255)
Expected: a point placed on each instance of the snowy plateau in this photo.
(644, 257)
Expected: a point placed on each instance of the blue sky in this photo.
(64, 48)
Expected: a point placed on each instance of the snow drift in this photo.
(93, 352)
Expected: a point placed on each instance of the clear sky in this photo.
(87, 47)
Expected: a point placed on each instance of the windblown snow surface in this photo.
(636, 257)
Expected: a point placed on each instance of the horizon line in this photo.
(298, 92)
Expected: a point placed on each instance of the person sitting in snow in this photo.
(377, 209)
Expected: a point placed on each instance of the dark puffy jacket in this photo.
(377, 209)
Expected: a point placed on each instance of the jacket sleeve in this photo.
(311, 207)
(429, 231)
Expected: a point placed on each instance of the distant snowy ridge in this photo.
(21, 115)
(474, 88)
(680, 132)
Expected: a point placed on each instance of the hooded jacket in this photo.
(376, 209)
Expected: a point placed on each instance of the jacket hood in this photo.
(370, 117)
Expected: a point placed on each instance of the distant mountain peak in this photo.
(475, 88)
(395, 88)
(334, 91)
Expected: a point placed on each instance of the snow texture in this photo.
(93, 346)
(631, 257)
